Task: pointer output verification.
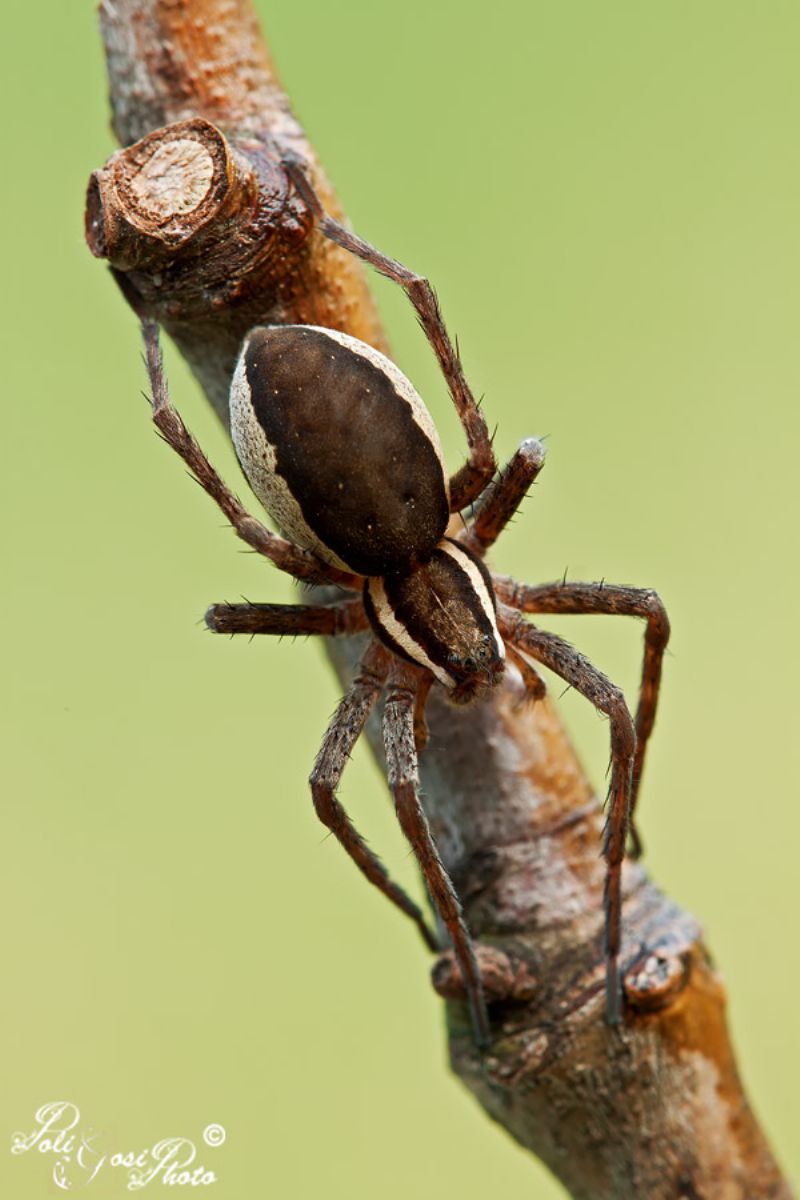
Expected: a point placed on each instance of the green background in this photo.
(606, 197)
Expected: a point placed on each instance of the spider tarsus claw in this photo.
(297, 170)
(534, 451)
(292, 163)
(210, 617)
(636, 849)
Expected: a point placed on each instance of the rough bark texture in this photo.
(203, 234)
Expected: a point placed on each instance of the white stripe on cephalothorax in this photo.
(399, 634)
(473, 573)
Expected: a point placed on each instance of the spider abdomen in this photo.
(339, 448)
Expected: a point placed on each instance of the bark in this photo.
(203, 234)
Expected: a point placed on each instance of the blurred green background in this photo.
(606, 197)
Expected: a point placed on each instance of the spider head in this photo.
(476, 671)
(441, 616)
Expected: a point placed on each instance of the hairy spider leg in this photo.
(345, 727)
(290, 620)
(341, 736)
(617, 600)
(402, 771)
(494, 511)
(286, 556)
(503, 497)
(468, 482)
(573, 667)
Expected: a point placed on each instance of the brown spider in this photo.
(342, 452)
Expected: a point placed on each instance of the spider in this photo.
(341, 451)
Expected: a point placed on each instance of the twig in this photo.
(204, 236)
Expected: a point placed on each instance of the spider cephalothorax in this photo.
(343, 453)
(442, 616)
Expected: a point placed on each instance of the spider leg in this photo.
(330, 620)
(286, 556)
(467, 483)
(623, 601)
(532, 682)
(342, 733)
(567, 662)
(401, 763)
(502, 499)
(424, 686)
